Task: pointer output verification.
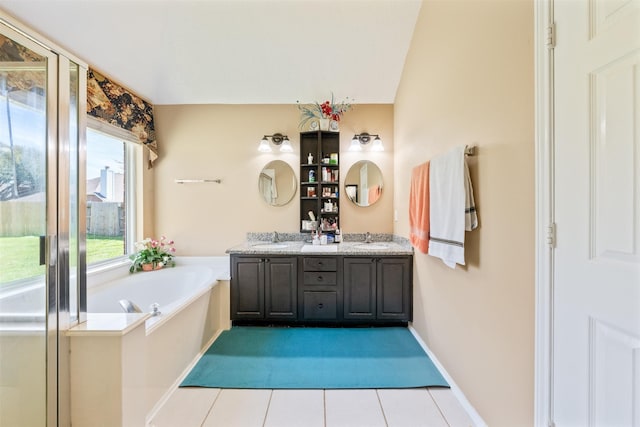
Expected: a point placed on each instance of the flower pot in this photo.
(324, 124)
(150, 267)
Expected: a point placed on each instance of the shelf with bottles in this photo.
(319, 174)
(329, 175)
(330, 190)
(328, 225)
(329, 159)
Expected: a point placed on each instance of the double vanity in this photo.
(297, 283)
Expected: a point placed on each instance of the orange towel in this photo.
(419, 208)
(374, 194)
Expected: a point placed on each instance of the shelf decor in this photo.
(152, 255)
(324, 116)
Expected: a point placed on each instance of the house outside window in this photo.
(110, 187)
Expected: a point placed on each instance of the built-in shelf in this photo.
(320, 144)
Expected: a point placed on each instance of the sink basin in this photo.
(270, 245)
(372, 245)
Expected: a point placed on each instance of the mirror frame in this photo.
(262, 177)
(350, 186)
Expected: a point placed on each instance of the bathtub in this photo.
(138, 364)
(172, 289)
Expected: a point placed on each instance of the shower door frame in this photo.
(57, 273)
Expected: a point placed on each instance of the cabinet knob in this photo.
(320, 305)
(320, 279)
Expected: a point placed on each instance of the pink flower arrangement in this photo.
(158, 253)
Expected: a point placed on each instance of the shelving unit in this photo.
(325, 187)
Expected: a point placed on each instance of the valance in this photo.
(113, 104)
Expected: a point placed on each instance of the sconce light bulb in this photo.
(286, 147)
(377, 144)
(355, 144)
(264, 146)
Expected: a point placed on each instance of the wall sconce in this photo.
(364, 138)
(276, 139)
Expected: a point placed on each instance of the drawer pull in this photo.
(320, 279)
(320, 305)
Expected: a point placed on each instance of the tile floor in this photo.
(209, 407)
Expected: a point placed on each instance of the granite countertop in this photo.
(383, 245)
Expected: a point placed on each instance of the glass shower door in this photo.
(28, 232)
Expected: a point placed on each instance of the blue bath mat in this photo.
(314, 358)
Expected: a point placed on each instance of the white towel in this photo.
(448, 179)
(470, 212)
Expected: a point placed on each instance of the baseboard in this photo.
(470, 410)
(160, 403)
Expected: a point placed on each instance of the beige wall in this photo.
(221, 141)
(468, 79)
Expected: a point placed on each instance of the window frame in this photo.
(133, 176)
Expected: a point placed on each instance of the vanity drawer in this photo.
(320, 264)
(320, 278)
(320, 305)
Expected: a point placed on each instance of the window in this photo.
(111, 178)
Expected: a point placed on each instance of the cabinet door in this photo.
(320, 305)
(247, 288)
(280, 288)
(359, 288)
(394, 289)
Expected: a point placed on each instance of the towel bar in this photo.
(470, 150)
(192, 181)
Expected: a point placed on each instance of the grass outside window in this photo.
(21, 255)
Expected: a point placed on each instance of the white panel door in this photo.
(596, 297)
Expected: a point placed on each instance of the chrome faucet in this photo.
(367, 238)
(129, 306)
(275, 238)
(155, 309)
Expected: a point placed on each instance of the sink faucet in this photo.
(367, 238)
(275, 238)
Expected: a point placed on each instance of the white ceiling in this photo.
(235, 51)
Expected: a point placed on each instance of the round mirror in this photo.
(277, 183)
(363, 184)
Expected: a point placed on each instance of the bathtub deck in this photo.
(108, 324)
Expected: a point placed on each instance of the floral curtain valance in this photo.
(19, 71)
(113, 104)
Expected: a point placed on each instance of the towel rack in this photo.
(197, 181)
(470, 150)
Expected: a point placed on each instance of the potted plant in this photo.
(152, 254)
(325, 113)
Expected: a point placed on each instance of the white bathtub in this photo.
(173, 289)
(137, 367)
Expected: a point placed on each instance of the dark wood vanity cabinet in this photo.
(264, 288)
(378, 288)
(321, 289)
(394, 288)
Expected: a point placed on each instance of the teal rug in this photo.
(314, 358)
